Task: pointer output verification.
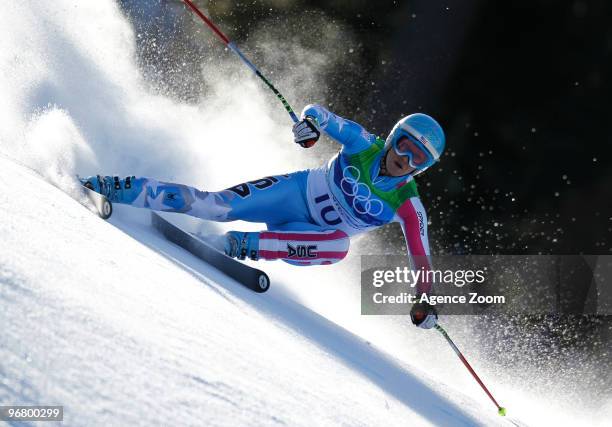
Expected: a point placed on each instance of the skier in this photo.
(311, 214)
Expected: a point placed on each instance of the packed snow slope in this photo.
(122, 327)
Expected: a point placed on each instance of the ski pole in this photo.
(500, 410)
(244, 59)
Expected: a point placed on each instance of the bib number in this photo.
(326, 210)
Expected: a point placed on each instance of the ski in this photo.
(103, 206)
(250, 277)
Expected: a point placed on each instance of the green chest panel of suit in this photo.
(363, 160)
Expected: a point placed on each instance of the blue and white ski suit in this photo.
(319, 207)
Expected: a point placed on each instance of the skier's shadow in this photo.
(365, 359)
(352, 350)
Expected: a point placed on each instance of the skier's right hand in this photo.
(306, 132)
(424, 315)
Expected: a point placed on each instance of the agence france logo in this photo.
(361, 194)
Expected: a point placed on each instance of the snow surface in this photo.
(122, 327)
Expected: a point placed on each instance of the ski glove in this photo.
(424, 315)
(306, 133)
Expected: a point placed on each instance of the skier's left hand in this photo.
(306, 133)
(424, 315)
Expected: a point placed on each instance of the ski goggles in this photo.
(412, 144)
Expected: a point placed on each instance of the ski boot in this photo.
(239, 244)
(116, 190)
(99, 184)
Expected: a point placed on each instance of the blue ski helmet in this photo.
(424, 133)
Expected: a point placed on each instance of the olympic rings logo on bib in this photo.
(361, 194)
